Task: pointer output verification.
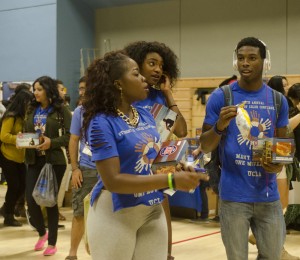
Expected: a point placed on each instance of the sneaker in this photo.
(41, 242)
(286, 256)
(50, 251)
(9, 220)
(59, 226)
(20, 211)
(203, 220)
(61, 216)
(216, 219)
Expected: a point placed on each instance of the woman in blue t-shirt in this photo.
(48, 117)
(158, 64)
(126, 220)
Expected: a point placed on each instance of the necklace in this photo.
(134, 121)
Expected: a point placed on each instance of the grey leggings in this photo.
(136, 233)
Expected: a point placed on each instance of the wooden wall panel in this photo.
(191, 108)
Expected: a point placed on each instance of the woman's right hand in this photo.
(45, 143)
(186, 181)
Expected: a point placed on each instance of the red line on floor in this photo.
(192, 238)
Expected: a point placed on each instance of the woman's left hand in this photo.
(45, 145)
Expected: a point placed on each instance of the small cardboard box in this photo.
(170, 154)
(28, 140)
(275, 150)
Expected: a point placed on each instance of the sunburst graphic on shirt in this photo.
(259, 129)
(148, 149)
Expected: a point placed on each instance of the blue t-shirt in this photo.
(40, 119)
(76, 125)
(154, 96)
(241, 179)
(135, 147)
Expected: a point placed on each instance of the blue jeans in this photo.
(266, 222)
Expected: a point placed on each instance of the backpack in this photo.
(213, 167)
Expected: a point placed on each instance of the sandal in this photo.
(61, 217)
(71, 257)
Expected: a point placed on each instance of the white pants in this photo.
(136, 233)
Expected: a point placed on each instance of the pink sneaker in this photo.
(40, 243)
(50, 251)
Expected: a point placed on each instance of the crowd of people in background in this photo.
(99, 143)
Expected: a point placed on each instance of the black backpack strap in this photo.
(277, 100)
(227, 95)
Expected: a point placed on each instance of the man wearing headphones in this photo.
(248, 189)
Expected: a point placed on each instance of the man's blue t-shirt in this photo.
(76, 125)
(136, 147)
(154, 96)
(241, 179)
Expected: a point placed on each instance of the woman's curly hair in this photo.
(50, 86)
(139, 50)
(101, 94)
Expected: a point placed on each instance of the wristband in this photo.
(172, 106)
(173, 181)
(170, 180)
(217, 131)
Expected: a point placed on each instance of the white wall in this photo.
(204, 33)
(148, 22)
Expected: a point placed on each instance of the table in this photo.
(187, 200)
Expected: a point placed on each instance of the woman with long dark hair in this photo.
(12, 158)
(126, 210)
(49, 117)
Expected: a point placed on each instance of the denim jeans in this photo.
(266, 222)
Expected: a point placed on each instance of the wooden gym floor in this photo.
(192, 240)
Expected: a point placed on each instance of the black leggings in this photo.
(35, 211)
(15, 176)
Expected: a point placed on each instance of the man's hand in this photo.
(226, 115)
(271, 167)
(77, 178)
